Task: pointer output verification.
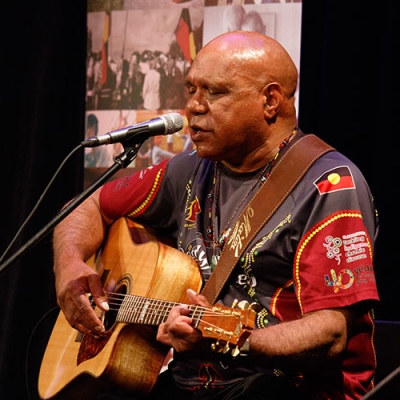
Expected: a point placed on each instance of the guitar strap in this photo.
(284, 177)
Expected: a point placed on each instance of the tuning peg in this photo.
(243, 305)
(235, 351)
(234, 303)
(226, 348)
(216, 347)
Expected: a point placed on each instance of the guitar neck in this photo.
(143, 310)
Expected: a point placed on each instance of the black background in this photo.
(348, 96)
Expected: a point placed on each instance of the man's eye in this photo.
(215, 93)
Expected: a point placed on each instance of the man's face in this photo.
(225, 108)
(90, 131)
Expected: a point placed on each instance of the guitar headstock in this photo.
(230, 326)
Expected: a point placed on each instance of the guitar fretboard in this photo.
(143, 310)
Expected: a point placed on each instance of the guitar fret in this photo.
(161, 316)
(196, 314)
(149, 311)
(127, 310)
(136, 307)
(135, 310)
(143, 311)
(164, 311)
(153, 314)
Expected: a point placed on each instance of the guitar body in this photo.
(132, 261)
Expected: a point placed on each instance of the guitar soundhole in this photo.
(115, 299)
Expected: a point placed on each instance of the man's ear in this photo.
(272, 99)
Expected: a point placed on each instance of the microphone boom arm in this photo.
(121, 161)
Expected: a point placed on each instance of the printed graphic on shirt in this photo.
(339, 178)
(209, 376)
(192, 210)
(344, 279)
(247, 281)
(352, 247)
(336, 253)
(197, 250)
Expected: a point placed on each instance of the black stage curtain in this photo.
(348, 96)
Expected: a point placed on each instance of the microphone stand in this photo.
(121, 161)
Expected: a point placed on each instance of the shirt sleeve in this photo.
(132, 195)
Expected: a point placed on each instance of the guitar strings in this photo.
(145, 301)
(151, 306)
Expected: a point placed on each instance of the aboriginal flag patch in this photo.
(339, 178)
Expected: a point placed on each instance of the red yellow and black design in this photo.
(104, 48)
(185, 37)
(193, 209)
(339, 178)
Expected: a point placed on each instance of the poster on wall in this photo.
(138, 53)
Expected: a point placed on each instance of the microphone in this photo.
(163, 125)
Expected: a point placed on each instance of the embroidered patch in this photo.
(339, 178)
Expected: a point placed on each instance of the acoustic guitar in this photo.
(143, 278)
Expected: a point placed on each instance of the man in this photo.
(96, 157)
(151, 87)
(309, 269)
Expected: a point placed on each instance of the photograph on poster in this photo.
(120, 79)
(100, 123)
(230, 2)
(154, 4)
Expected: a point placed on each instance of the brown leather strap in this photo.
(284, 177)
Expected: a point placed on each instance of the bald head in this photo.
(261, 55)
(241, 99)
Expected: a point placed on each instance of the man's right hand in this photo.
(73, 284)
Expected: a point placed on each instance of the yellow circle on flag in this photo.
(334, 178)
